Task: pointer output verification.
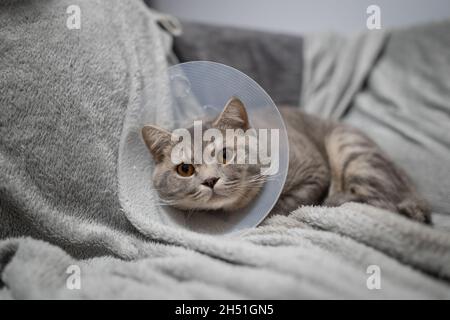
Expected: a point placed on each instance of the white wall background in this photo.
(301, 16)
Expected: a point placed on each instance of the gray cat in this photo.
(329, 164)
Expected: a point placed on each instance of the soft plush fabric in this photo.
(65, 99)
(64, 95)
(314, 253)
(395, 87)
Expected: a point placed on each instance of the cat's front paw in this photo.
(338, 199)
(416, 210)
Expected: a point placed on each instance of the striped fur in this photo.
(332, 163)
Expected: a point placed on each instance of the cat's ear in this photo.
(156, 139)
(233, 116)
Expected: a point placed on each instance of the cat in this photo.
(215, 186)
(329, 164)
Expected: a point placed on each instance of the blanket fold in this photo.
(313, 253)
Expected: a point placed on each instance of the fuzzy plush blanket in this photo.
(313, 253)
(65, 95)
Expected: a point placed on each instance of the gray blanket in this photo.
(64, 100)
(395, 86)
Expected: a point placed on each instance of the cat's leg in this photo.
(308, 177)
(361, 172)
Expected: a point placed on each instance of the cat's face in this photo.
(221, 184)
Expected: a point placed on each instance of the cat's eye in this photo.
(225, 156)
(185, 170)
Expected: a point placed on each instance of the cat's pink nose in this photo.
(210, 182)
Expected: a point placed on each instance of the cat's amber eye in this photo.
(225, 155)
(185, 170)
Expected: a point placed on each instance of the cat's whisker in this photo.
(197, 195)
(160, 200)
